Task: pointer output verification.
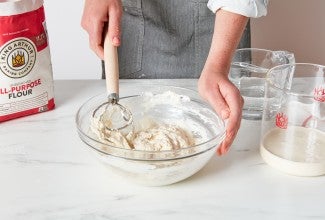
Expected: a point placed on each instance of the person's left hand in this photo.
(226, 100)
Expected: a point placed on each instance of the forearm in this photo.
(228, 30)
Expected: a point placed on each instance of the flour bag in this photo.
(26, 79)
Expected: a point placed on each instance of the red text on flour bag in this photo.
(26, 79)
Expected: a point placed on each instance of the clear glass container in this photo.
(248, 71)
(156, 168)
(293, 123)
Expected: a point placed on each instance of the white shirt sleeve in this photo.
(248, 8)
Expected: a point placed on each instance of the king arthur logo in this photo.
(17, 57)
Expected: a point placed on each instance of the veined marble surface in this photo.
(47, 173)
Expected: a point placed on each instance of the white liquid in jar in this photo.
(296, 150)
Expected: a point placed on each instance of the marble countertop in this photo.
(46, 173)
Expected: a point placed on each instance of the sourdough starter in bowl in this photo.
(301, 153)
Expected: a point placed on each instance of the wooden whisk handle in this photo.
(111, 68)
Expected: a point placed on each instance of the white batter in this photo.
(295, 150)
(147, 136)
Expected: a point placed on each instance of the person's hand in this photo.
(214, 85)
(226, 100)
(96, 14)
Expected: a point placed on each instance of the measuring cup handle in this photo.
(111, 68)
(288, 55)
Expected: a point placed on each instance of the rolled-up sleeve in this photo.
(248, 8)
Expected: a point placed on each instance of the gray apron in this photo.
(165, 39)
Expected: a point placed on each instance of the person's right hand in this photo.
(95, 15)
(225, 98)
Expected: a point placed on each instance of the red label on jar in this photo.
(319, 94)
(281, 120)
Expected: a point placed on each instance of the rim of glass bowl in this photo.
(253, 49)
(164, 155)
(293, 65)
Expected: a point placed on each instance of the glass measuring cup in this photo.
(248, 72)
(293, 123)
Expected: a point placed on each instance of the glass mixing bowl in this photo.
(156, 168)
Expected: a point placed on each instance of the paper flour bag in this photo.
(26, 79)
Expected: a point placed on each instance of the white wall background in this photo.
(297, 26)
(70, 53)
